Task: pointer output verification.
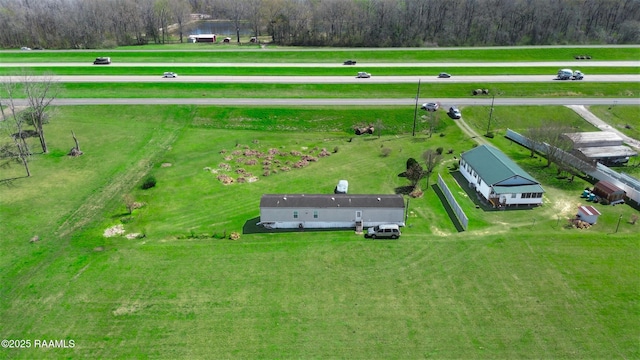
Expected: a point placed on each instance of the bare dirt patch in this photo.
(116, 230)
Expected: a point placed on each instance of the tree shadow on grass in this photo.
(404, 190)
(9, 182)
(478, 200)
(447, 207)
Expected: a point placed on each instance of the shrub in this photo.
(411, 162)
(386, 151)
(439, 150)
(335, 149)
(149, 182)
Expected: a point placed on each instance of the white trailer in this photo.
(565, 74)
(568, 74)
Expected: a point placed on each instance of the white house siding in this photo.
(519, 200)
(474, 180)
(281, 217)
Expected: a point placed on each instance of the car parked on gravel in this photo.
(349, 62)
(454, 112)
(444, 75)
(169, 74)
(363, 75)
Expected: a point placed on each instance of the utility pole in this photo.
(415, 111)
(491, 113)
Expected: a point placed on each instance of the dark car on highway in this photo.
(102, 61)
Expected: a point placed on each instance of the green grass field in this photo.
(307, 71)
(211, 53)
(167, 89)
(517, 284)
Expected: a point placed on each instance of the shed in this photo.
(609, 155)
(594, 139)
(609, 191)
(588, 214)
(290, 211)
(603, 146)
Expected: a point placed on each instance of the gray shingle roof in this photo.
(330, 201)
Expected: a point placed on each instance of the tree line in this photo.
(69, 24)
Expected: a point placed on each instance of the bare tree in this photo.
(431, 159)
(548, 139)
(13, 125)
(40, 92)
(104, 23)
(236, 11)
(180, 12)
(379, 125)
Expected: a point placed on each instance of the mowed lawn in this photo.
(517, 284)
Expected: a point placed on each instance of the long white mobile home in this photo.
(278, 211)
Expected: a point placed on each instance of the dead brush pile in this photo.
(579, 224)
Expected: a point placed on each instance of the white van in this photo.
(385, 231)
(342, 187)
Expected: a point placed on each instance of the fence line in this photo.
(625, 182)
(462, 217)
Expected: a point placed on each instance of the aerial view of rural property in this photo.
(320, 179)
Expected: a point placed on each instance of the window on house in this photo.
(295, 214)
(315, 214)
(513, 196)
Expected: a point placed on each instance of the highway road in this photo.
(444, 102)
(330, 79)
(361, 66)
(429, 78)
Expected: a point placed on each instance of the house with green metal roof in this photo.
(498, 179)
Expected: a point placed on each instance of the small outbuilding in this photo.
(198, 38)
(609, 191)
(588, 213)
(602, 146)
